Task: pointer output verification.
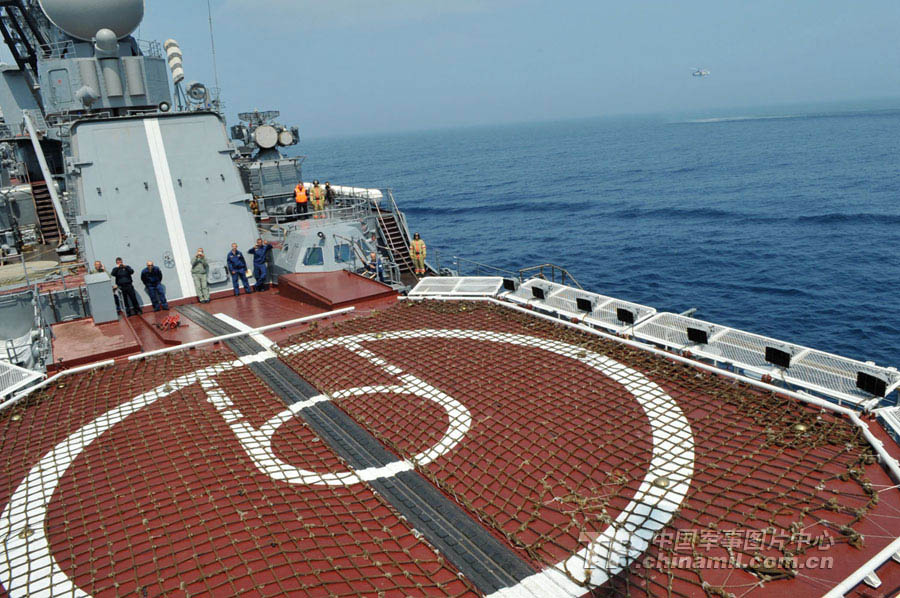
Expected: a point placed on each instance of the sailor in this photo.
(329, 194)
(375, 267)
(254, 208)
(237, 267)
(260, 253)
(152, 277)
(200, 272)
(318, 200)
(122, 276)
(418, 252)
(301, 199)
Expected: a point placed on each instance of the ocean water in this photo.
(786, 226)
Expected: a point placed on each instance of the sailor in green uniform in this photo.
(200, 271)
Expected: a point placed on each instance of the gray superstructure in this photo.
(107, 150)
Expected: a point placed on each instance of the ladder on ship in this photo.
(395, 235)
(46, 213)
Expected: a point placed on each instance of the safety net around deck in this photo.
(185, 475)
(782, 497)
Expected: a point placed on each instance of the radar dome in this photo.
(82, 19)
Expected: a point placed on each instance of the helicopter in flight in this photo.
(698, 72)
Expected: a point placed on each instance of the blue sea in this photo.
(784, 225)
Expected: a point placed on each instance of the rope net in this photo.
(145, 479)
(167, 502)
(557, 450)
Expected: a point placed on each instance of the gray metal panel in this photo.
(274, 177)
(214, 205)
(16, 315)
(144, 76)
(22, 206)
(14, 96)
(192, 165)
(100, 296)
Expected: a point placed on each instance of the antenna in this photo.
(212, 43)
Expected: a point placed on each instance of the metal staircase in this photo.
(46, 214)
(395, 235)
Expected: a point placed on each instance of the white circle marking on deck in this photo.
(28, 568)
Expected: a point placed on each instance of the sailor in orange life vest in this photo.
(317, 195)
(417, 252)
(301, 199)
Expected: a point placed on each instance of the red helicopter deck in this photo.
(517, 458)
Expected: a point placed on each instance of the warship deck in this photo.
(428, 449)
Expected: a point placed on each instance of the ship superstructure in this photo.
(358, 430)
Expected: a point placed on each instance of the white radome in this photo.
(266, 136)
(285, 138)
(82, 19)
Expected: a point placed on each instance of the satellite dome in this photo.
(82, 19)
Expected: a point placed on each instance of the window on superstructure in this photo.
(342, 253)
(314, 257)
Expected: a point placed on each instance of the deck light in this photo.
(537, 293)
(509, 284)
(778, 357)
(584, 304)
(697, 335)
(625, 315)
(870, 384)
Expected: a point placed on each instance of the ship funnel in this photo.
(82, 19)
(173, 54)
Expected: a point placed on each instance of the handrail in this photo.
(553, 269)
(479, 266)
(395, 212)
(48, 176)
(354, 245)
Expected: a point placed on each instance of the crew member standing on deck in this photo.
(260, 253)
(200, 272)
(237, 267)
(301, 199)
(418, 252)
(152, 277)
(318, 200)
(122, 275)
(329, 194)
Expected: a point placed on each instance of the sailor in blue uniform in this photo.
(375, 267)
(237, 267)
(152, 277)
(260, 253)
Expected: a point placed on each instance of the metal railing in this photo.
(550, 272)
(467, 267)
(14, 378)
(348, 212)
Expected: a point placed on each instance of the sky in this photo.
(339, 67)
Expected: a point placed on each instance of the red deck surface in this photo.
(332, 290)
(81, 342)
(169, 502)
